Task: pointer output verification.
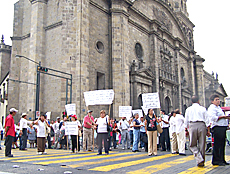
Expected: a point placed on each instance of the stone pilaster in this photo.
(200, 79)
(37, 46)
(120, 61)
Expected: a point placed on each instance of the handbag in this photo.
(159, 129)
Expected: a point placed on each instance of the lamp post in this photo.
(37, 83)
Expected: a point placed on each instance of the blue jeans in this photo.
(142, 134)
(131, 136)
(136, 137)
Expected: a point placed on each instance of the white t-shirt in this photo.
(179, 123)
(102, 125)
(41, 130)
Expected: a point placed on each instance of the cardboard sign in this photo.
(125, 111)
(48, 115)
(70, 109)
(71, 128)
(151, 100)
(37, 114)
(138, 111)
(99, 97)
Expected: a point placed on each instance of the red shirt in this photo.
(10, 123)
(87, 119)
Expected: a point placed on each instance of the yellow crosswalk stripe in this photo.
(81, 159)
(105, 161)
(47, 157)
(202, 170)
(162, 166)
(131, 163)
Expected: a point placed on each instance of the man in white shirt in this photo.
(197, 120)
(219, 127)
(164, 136)
(23, 131)
(56, 131)
(180, 132)
(124, 126)
(172, 123)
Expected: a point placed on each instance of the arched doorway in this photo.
(167, 105)
(140, 101)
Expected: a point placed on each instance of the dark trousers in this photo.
(20, 142)
(131, 136)
(114, 139)
(74, 143)
(49, 141)
(41, 143)
(103, 136)
(219, 134)
(142, 134)
(24, 138)
(8, 143)
(164, 138)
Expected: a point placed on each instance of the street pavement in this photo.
(118, 161)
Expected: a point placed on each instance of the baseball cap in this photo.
(23, 114)
(58, 118)
(89, 111)
(13, 110)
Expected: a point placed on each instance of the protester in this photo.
(62, 137)
(124, 126)
(52, 133)
(219, 127)
(114, 133)
(31, 135)
(102, 132)
(9, 131)
(180, 132)
(56, 131)
(172, 123)
(48, 137)
(23, 131)
(75, 138)
(131, 130)
(41, 133)
(197, 120)
(87, 131)
(17, 135)
(136, 133)
(142, 133)
(1, 129)
(151, 129)
(164, 136)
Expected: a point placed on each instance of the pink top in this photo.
(87, 119)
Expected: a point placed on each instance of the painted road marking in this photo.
(162, 166)
(105, 161)
(82, 159)
(130, 163)
(202, 170)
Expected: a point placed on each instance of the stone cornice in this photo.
(116, 10)
(138, 26)
(20, 37)
(35, 1)
(53, 25)
(99, 7)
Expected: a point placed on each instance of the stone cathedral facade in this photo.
(131, 46)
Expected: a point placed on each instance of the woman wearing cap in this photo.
(102, 132)
(74, 137)
(41, 134)
(151, 129)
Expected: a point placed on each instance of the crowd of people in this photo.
(131, 133)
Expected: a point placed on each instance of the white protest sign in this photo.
(138, 111)
(145, 110)
(70, 109)
(125, 111)
(71, 128)
(48, 114)
(99, 97)
(151, 100)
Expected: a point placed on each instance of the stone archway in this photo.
(168, 105)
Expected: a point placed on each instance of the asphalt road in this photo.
(118, 161)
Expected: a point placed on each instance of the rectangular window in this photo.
(100, 81)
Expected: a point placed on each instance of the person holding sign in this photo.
(74, 139)
(136, 133)
(102, 132)
(87, 131)
(41, 134)
(151, 129)
(124, 126)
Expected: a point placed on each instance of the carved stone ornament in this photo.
(34, 1)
